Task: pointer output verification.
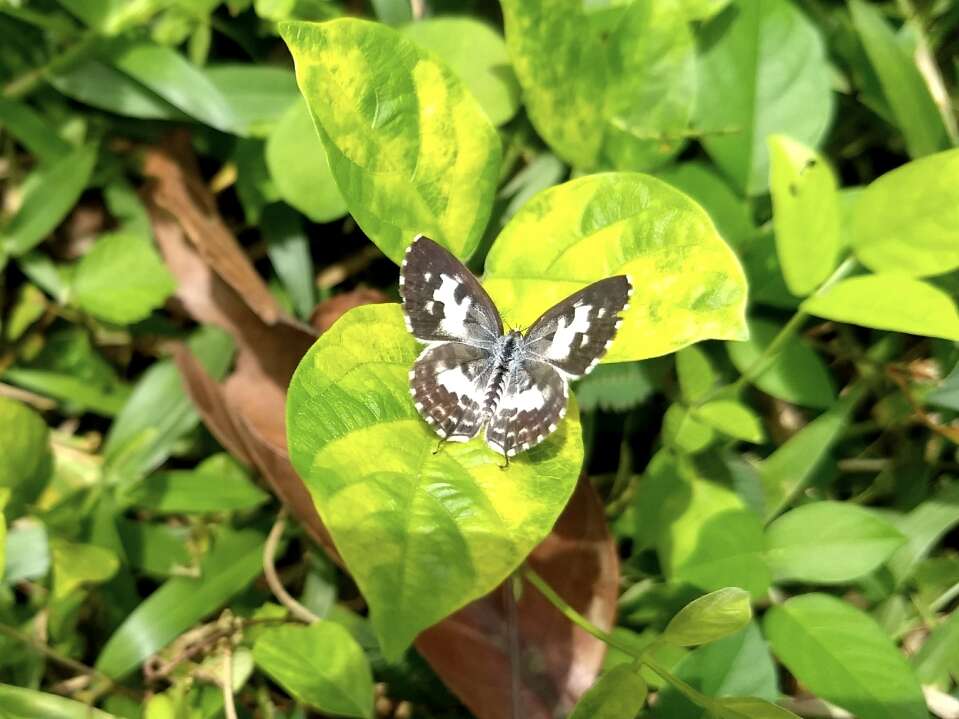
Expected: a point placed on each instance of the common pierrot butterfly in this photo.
(472, 375)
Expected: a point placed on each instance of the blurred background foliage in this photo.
(172, 240)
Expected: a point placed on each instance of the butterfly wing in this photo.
(533, 403)
(573, 335)
(447, 382)
(442, 300)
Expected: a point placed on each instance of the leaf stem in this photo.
(23, 85)
(640, 655)
(273, 579)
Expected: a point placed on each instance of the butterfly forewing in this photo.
(574, 334)
(447, 382)
(532, 406)
(442, 300)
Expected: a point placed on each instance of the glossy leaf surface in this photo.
(410, 148)
(710, 617)
(621, 223)
(422, 533)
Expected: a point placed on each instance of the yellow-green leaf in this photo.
(421, 533)
(908, 220)
(889, 302)
(710, 617)
(410, 148)
(605, 87)
(733, 419)
(805, 214)
(687, 283)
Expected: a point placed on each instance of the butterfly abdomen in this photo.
(502, 360)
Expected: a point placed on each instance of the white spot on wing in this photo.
(453, 323)
(601, 312)
(526, 401)
(455, 381)
(563, 338)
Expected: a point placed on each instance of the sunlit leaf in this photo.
(889, 302)
(121, 279)
(687, 283)
(321, 665)
(21, 703)
(805, 214)
(842, 655)
(477, 54)
(908, 220)
(619, 692)
(25, 461)
(849, 542)
(732, 419)
(422, 533)
(410, 148)
(763, 71)
(298, 166)
(710, 617)
(605, 87)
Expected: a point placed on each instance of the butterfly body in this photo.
(474, 376)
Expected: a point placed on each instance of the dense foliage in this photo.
(216, 495)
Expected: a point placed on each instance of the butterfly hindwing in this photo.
(533, 403)
(442, 300)
(447, 382)
(574, 334)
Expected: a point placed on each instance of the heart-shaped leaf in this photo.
(410, 148)
(687, 283)
(422, 533)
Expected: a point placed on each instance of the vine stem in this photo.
(639, 655)
(25, 84)
(273, 579)
(229, 701)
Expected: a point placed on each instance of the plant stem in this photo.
(229, 702)
(273, 579)
(25, 84)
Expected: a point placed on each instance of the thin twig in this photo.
(335, 274)
(273, 579)
(418, 9)
(39, 401)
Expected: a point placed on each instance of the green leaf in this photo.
(738, 665)
(714, 541)
(234, 561)
(763, 71)
(49, 194)
(25, 461)
(684, 290)
(789, 469)
(938, 657)
(842, 655)
(696, 374)
(620, 692)
(710, 617)
(218, 484)
(77, 564)
(614, 387)
(96, 83)
(805, 214)
(321, 665)
(889, 302)
(32, 130)
(411, 150)
(422, 533)
(173, 78)
(28, 554)
(258, 95)
(750, 708)
(797, 374)
(848, 542)
(683, 432)
(610, 87)
(732, 419)
(903, 85)
(298, 165)
(289, 251)
(907, 221)
(705, 185)
(159, 412)
(477, 54)
(121, 279)
(4, 498)
(20, 703)
(924, 527)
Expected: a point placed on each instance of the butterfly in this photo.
(472, 375)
